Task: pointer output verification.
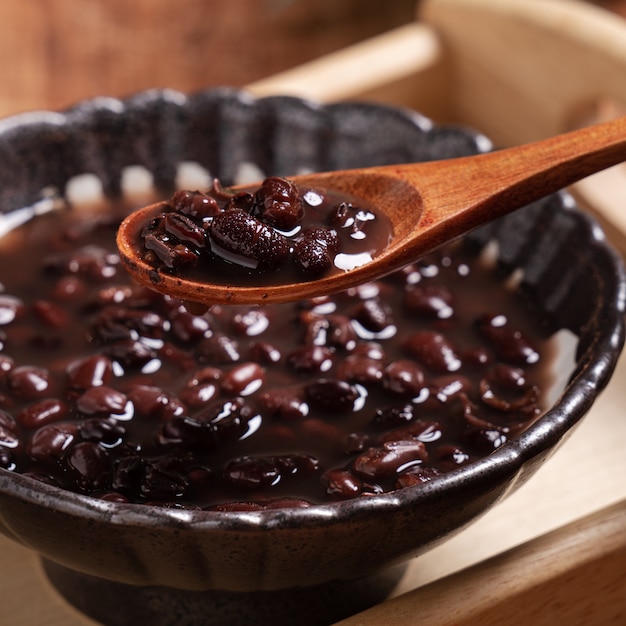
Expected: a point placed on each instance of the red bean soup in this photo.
(276, 231)
(121, 393)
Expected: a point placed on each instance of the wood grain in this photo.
(57, 52)
(405, 66)
(576, 573)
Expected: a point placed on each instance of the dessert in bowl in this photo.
(149, 531)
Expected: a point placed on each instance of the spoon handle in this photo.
(503, 180)
(479, 188)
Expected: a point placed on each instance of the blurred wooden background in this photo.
(54, 53)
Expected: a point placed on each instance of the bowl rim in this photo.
(594, 368)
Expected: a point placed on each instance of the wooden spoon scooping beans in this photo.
(426, 204)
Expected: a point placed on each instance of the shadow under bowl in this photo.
(119, 562)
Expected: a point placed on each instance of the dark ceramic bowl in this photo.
(120, 562)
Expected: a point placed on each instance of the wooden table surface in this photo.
(58, 52)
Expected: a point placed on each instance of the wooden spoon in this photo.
(428, 204)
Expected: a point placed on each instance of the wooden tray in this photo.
(517, 70)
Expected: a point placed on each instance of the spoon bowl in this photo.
(427, 203)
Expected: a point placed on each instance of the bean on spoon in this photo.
(427, 204)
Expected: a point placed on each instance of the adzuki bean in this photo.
(117, 392)
(278, 229)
